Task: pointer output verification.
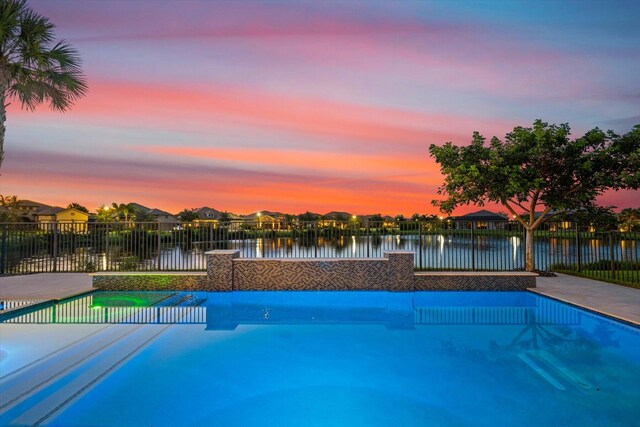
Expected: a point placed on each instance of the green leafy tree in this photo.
(33, 67)
(188, 215)
(308, 216)
(9, 211)
(375, 219)
(538, 168)
(123, 211)
(78, 207)
(598, 218)
(106, 214)
(341, 217)
(141, 215)
(629, 219)
(225, 218)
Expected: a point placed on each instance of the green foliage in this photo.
(33, 67)
(9, 211)
(375, 218)
(600, 218)
(308, 216)
(87, 266)
(225, 218)
(629, 219)
(538, 166)
(188, 215)
(78, 207)
(129, 263)
(140, 215)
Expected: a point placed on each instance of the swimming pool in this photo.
(318, 358)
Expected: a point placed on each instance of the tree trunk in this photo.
(3, 118)
(530, 264)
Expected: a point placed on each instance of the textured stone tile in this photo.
(271, 274)
(151, 282)
(473, 282)
(220, 269)
(400, 270)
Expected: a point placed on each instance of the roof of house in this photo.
(336, 214)
(271, 213)
(138, 206)
(254, 216)
(158, 212)
(31, 203)
(483, 215)
(206, 209)
(50, 210)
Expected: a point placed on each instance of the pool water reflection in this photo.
(318, 358)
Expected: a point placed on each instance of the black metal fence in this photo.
(439, 245)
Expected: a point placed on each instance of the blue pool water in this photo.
(318, 359)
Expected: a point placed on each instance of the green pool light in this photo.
(96, 307)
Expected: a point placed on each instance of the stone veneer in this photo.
(227, 272)
(473, 281)
(151, 281)
(220, 265)
(388, 273)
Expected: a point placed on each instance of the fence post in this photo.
(578, 250)
(420, 244)
(3, 249)
(55, 247)
(368, 241)
(315, 239)
(264, 246)
(159, 267)
(106, 248)
(473, 247)
(611, 255)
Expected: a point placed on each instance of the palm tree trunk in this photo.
(3, 118)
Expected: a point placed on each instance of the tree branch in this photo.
(541, 218)
(515, 215)
(518, 204)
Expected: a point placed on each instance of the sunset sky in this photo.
(320, 106)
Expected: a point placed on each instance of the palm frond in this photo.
(37, 68)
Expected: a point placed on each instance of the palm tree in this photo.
(33, 67)
(78, 207)
(124, 210)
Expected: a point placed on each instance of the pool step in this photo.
(553, 370)
(563, 370)
(38, 392)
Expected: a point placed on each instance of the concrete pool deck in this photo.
(45, 286)
(609, 299)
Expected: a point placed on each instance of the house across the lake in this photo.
(77, 219)
(481, 220)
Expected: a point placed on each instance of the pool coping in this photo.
(594, 310)
(41, 304)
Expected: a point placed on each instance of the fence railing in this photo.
(439, 245)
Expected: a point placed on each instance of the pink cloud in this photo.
(166, 107)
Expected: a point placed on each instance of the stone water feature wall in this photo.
(227, 272)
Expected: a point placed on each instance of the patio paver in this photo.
(45, 285)
(606, 298)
